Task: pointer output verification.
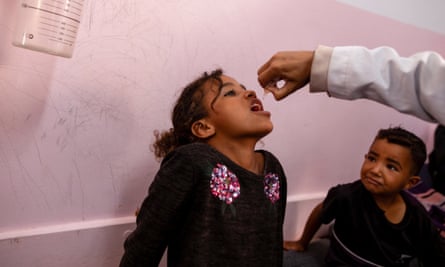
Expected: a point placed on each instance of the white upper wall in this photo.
(423, 14)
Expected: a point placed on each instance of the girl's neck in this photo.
(242, 154)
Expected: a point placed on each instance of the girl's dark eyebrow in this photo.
(228, 84)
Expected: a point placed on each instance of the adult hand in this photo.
(291, 67)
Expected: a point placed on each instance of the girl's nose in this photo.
(250, 93)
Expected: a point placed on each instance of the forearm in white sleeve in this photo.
(413, 85)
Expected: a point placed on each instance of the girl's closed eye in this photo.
(230, 92)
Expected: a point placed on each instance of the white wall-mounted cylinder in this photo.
(48, 26)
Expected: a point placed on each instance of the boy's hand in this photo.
(294, 245)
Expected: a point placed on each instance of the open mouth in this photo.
(256, 105)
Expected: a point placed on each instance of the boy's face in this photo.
(387, 168)
(236, 112)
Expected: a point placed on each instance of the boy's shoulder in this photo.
(411, 201)
(347, 191)
(347, 187)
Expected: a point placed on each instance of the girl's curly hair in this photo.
(188, 109)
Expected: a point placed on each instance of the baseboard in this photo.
(66, 227)
(91, 224)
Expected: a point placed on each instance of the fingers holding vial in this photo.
(280, 88)
(285, 72)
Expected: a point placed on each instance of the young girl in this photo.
(215, 201)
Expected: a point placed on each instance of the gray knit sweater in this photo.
(208, 211)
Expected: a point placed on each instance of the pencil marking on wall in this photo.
(5, 166)
(30, 182)
(79, 179)
(112, 178)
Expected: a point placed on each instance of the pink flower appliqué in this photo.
(272, 187)
(224, 184)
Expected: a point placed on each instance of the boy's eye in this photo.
(230, 93)
(369, 157)
(392, 167)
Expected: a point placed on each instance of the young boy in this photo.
(377, 223)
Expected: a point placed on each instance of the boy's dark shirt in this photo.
(199, 228)
(362, 227)
(436, 160)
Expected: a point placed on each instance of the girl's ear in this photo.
(412, 181)
(202, 129)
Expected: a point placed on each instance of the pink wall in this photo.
(75, 133)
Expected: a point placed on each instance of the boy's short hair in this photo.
(402, 137)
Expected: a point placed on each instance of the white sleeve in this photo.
(413, 85)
